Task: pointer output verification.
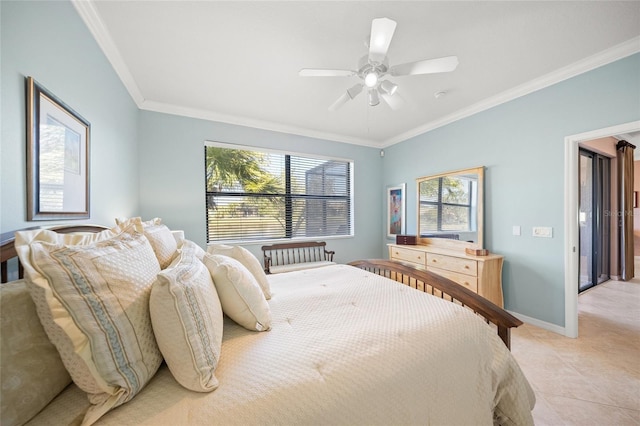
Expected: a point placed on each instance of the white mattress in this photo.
(346, 347)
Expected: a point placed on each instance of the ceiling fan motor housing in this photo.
(366, 67)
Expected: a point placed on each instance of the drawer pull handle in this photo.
(466, 266)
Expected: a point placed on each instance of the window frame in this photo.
(439, 204)
(288, 195)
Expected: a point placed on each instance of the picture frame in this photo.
(58, 145)
(396, 210)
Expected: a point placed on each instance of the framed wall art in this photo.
(57, 158)
(396, 219)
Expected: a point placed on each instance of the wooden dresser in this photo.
(481, 274)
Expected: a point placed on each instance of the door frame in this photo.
(571, 222)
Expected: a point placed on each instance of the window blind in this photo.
(257, 195)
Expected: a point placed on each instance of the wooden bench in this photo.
(289, 257)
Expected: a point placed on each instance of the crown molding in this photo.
(87, 11)
(605, 57)
(202, 114)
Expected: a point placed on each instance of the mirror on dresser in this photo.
(450, 207)
(450, 233)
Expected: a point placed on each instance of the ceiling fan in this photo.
(374, 67)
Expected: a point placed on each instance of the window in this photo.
(258, 195)
(445, 204)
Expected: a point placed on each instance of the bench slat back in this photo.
(298, 252)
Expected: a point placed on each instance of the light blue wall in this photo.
(172, 176)
(48, 41)
(151, 164)
(521, 145)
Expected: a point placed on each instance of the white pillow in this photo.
(154, 221)
(197, 250)
(249, 261)
(187, 320)
(240, 295)
(91, 293)
(162, 240)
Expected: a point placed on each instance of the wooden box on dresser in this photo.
(481, 274)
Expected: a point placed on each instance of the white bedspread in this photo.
(346, 347)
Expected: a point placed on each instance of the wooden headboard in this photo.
(8, 249)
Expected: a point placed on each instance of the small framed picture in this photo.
(396, 220)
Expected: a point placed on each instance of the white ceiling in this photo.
(238, 62)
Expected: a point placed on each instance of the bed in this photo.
(347, 344)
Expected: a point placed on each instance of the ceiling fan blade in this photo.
(395, 102)
(318, 72)
(382, 30)
(339, 102)
(350, 94)
(428, 66)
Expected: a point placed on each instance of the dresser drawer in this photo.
(480, 274)
(453, 264)
(467, 281)
(406, 255)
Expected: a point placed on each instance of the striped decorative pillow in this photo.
(187, 320)
(92, 296)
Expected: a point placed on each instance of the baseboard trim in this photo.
(539, 323)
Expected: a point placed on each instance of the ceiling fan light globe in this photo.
(371, 79)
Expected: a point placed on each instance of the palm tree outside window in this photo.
(253, 194)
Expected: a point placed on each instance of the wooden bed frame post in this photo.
(505, 335)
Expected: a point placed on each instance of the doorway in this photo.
(594, 219)
(571, 225)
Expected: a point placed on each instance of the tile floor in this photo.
(594, 379)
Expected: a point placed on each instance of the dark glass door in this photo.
(595, 219)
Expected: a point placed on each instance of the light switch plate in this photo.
(516, 230)
(543, 231)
